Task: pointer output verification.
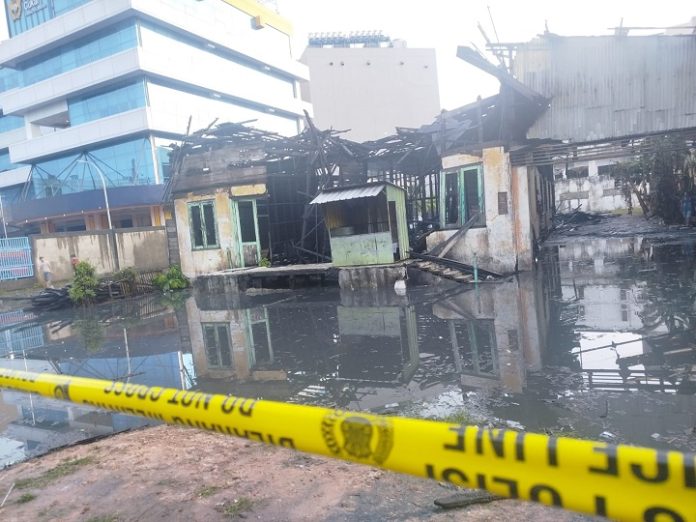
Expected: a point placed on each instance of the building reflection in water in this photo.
(635, 308)
(370, 351)
(132, 341)
(611, 317)
(497, 332)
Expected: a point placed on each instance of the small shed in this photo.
(366, 223)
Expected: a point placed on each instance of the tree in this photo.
(84, 286)
(663, 170)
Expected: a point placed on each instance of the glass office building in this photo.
(100, 90)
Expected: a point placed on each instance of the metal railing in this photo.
(15, 258)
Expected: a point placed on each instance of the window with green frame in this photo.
(461, 197)
(202, 223)
(218, 348)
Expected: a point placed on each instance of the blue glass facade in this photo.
(237, 90)
(122, 164)
(8, 123)
(23, 15)
(5, 163)
(83, 51)
(9, 79)
(94, 106)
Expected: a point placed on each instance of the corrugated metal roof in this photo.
(369, 191)
(610, 86)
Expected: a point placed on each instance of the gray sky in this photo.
(444, 24)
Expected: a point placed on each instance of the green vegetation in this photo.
(237, 507)
(207, 491)
(129, 274)
(61, 470)
(460, 417)
(84, 286)
(265, 262)
(658, 177)
(172, 279)
(26, 497)
(91, 332)
(129, 277)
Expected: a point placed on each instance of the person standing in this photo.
(687, 207)
(74, 261)
(45, 269)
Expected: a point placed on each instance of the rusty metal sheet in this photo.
(610, 86)
(369, 191)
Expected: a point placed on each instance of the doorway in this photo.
(246, 217)
(394, 228)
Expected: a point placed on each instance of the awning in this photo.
(368, 191)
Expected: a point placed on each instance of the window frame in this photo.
(463, 207)
(216, 328)
(206, 246)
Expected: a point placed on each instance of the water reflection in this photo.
(135, 341)
(371, 351)
(598, 343)
(635, 303)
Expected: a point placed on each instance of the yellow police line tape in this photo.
(617, 481)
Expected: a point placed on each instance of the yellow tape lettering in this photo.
(600, 504)
(285, 442)
(657, 513)
(244, 406)
(612, 465)
(452, 475)
(513, 487)
(690, 470)
(552, 451)
(538, 490)
(661, 474)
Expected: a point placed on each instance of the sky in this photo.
(445, 24)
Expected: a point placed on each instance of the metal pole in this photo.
(108, 211)
(106, 196)
(128, 359)
(2, 211)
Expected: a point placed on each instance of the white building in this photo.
(368, 85)
(102, 88)
(590, 187)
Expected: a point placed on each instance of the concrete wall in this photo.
(143, 248)
(370, 91)
(594, 193)
(505, 244)
(198, 262)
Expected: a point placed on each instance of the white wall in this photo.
(371, 90)
(595, 193)
(506, 243)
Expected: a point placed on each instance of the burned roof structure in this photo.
(295, 169)
(499, 120)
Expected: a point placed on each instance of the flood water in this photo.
(598, 343)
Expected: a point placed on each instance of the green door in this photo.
(246, 218)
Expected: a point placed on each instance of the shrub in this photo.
(84, 286)
(128, 277)
(128, 274)
(172, 279)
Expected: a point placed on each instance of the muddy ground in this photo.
(169, 473)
